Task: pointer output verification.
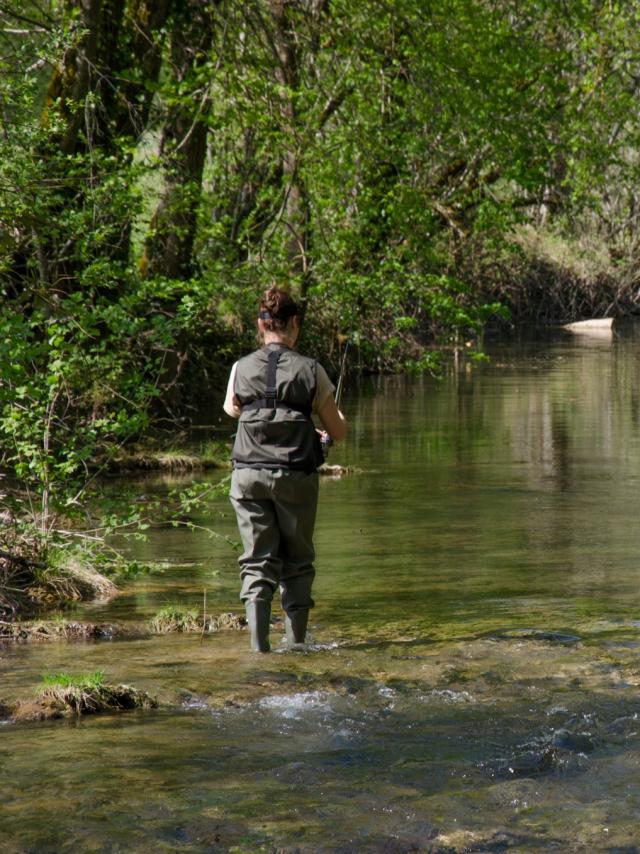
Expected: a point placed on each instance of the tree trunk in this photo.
(169, 246)
(102, 90)
(84, 69)
(139, 69)
(295, 202)
(126, 91)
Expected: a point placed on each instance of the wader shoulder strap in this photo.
(272, 368)
(270, 401)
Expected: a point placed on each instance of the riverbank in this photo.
(34, 581)
(167, 457)
(30, 584)
(185, 460)
(168, 620)
(546, 277)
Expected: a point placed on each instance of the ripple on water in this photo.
(193, 702)
(297, 705)
(446, 695)
(309, 646)
(386, 692)
(529, 601)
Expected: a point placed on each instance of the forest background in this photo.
(412, 170)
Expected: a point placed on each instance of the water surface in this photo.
(474, 662)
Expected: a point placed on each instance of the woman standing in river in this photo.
(274, 486)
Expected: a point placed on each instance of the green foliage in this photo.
(384, 142)
(378, 159)
(84, 682)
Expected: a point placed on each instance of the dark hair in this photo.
(276, 308)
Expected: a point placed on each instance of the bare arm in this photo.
(333, 420)
(231, 405)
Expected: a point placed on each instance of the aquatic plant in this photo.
(173, 618)
(226, 621)
(65, 694)
(90, 681)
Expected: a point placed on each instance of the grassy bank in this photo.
(168, 456)
(29, 583)
(545, 277)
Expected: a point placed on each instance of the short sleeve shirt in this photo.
(324, 390)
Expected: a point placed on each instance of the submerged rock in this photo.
(578, 742)
(470, 842)
(192, 701)
(536, 635)
(624, 728)
(561, 751)
(531, 763)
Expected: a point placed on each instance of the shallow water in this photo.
(472, 684)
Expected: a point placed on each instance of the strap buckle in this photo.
(271, 393)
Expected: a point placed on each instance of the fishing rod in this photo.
(326, 440)
(341, 376)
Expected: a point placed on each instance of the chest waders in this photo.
(274, 488)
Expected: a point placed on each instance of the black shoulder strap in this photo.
(271, 392)
(270, 399)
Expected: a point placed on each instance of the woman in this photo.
(274, 486)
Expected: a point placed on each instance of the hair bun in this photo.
(276, 307)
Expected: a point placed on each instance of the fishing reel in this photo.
(325, 443)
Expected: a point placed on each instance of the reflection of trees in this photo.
(515, 481)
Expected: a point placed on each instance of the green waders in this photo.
(276, 512)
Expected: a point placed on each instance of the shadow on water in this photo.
(473, 662)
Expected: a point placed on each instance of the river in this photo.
(473, 680)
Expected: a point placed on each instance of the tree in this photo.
(169, 245)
